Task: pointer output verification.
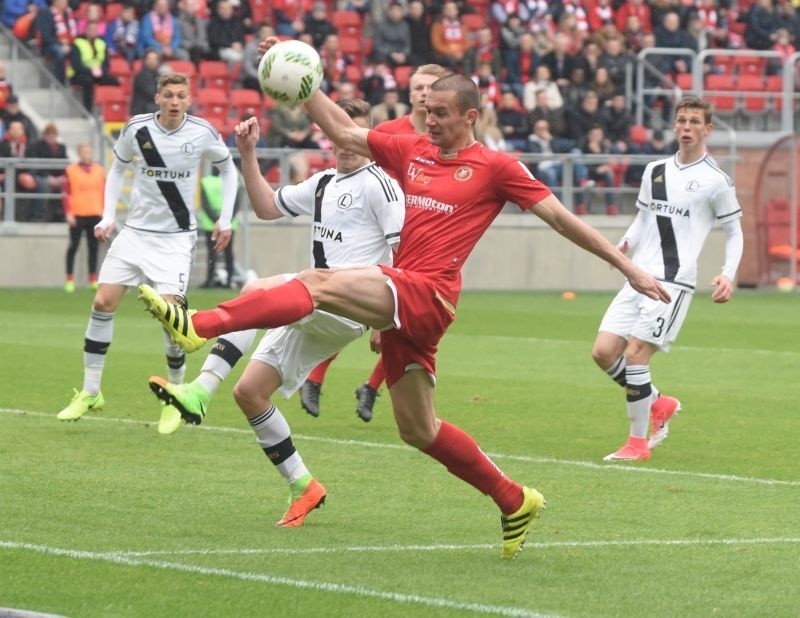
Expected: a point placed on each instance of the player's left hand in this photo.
(221, 238)
(723, 289)
(375, 341)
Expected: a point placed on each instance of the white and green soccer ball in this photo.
(290, 72)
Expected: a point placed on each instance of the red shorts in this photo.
(422, 317)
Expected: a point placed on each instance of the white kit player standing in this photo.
(157, 241)
(680, 199)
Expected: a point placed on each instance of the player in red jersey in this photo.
(414, 122)
(454, 188)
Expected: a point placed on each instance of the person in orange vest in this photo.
(83, 209)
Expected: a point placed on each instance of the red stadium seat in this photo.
(347, 23)
(403, 75)
(112, 103)
(752, 87)
(639, 135)
(243, 100)
(214, 74)
(715, 86)
(211, 103)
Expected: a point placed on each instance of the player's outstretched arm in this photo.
(262, 197)
(556, 215)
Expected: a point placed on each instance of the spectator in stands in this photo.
(122, 36)
(290, 128)
(556, 121)
(550, 170)
(160, 30)
(419, 26)
(574, 91)
(484, 49)
(788, 19)
(510, 33)
(585, 117)
(194, 31)
(145, 84)
(560, 61)
(334, 63)
(618, 122)
(573, 24)
(95, 12)
(25, 27)
(513, 122)
(89, 64)
(487, 129)
(225, 34)
(289, 14)
(12, 10)
(449, 37)
(602, 86)
(6, 89)
(390, 108)
(241, 12)
(522, 64)
(345, 91)
(48, 180)
(615, 59)
(589, 58)
(15, 146)
(633, 35)
(377, 79)
(252, 57)
(318, 24)
(12, 113)
(600, 15)
(541, 82)
(392, 37)
(595, 143)
(783, 45)
(502, 10)
(638, 8)
(57, 29)
(670, 34)
(487, 83)
(762, 25)
(83, 209)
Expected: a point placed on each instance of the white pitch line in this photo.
(607, 467)
(279, 580)
(471, 547)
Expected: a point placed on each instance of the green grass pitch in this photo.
(105, 518)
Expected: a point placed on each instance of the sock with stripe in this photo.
(96, 342)
(275, 439)
(461, 455)
(176, 361)
(617, 373)
(639, 395)
(278, 306)
(224, 354)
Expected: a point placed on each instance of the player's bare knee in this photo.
(245, 396)
(602, 357)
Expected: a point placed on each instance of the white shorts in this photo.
(165, 260)
(632, 314)
(294, 350)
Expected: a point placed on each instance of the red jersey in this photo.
(396, 126)
(450, 203)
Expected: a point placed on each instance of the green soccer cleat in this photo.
(170, 419)
(191, 400)
(516, 525)
(81, 403)
(177, 320)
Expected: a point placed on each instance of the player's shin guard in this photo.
(461, 455)
(270, 308)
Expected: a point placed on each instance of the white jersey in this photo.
(679, 205)
(166, 168)
(357, 216)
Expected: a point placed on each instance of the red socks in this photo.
(270, 308)
(462, 456)
(318, 373)
(378, 375)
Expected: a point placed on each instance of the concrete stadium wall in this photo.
(519, 252)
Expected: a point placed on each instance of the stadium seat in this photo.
(774, 86)
(113, 10)
(348, 23)
(752, 91)
(717, 84)
(723, 64)
(242, 100)
(214, 74)
(211, 103)
(187, 68)
(351, 46)
(403, 75)
(112, 103)
(639, 135)
(777, 221)
(473, 21)
(261, 11)
(750, 65)
(684, 81)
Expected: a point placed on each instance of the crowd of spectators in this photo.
(561, 65)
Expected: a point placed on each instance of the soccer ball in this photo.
(290, 72)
